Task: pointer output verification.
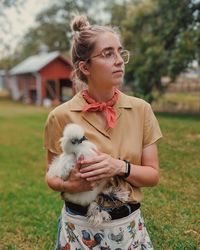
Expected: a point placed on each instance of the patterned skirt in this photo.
(121, 234)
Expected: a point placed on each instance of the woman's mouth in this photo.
(118, 72)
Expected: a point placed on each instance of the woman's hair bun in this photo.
(80, 23)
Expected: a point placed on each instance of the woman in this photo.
(125, 131)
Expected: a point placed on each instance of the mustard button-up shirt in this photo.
(136, 128)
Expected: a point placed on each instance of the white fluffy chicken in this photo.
(74, 144)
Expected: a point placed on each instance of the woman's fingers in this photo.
(92, 167)
(94, 159)
(92, 173)
(93, 162)
(97, 151)
(81, 158)
(99, 173)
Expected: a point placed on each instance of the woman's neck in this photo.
(101, 95)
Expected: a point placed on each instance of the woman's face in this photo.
(106, 67)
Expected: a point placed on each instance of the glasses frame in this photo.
(101, 54)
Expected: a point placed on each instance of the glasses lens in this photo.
(125, 56)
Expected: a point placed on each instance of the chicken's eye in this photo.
(74, 141)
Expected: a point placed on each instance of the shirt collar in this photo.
(77, 102)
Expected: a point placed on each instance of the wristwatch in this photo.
(127, 169)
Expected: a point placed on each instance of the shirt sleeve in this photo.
(152, 130)
(52, 134)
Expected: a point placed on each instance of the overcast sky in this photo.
(19, 22)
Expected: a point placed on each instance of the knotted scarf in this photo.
(105, 107)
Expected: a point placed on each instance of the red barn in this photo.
(44, 79)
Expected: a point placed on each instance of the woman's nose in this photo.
(118, 59)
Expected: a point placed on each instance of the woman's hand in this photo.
(100, 167)
(104, 166)
(74, 183)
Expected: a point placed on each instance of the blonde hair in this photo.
(84, 40)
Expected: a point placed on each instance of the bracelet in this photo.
(62, 186)
(128, 169)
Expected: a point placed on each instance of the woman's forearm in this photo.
(72, 185)
(140, 176)
(143, 176)
(148, 173)
(104, 166)
(55, 183)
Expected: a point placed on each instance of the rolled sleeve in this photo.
(52, 134)
(152, 130)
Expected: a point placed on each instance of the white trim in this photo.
(38, 88)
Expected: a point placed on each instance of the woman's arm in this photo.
(144, 175)
(73, 184)
(148, 174)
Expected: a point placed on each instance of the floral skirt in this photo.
(122, 234)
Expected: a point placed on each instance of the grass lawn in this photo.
(29, 209)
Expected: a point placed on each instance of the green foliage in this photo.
(29, 209)
(163, 37)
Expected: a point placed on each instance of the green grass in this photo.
(29, 209)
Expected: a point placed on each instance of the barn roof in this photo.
(34, 63)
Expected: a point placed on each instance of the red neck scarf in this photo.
(105, 107)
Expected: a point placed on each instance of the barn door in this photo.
(65, 89)
(51, 89)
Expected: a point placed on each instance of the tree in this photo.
(53, 28)
(163, 37)
(6, 27)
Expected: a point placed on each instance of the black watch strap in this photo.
(127, 169)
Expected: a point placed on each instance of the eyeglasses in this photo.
(111, 55)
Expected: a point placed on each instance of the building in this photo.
(43, 79)
(2, 80)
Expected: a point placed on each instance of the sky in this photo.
(19, 22)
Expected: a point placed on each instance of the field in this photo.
(29, 209)
(180, 102)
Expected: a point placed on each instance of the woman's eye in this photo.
(108, 54)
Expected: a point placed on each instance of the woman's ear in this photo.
(84, 68)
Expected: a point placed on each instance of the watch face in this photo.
(126, 167)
